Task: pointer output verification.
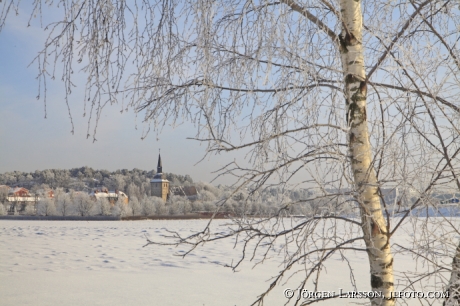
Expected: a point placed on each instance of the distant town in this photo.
(87, 192)
(84, 191)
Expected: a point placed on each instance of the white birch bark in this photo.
(454, 282)
(374, 229)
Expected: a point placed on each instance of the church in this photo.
(159, 185)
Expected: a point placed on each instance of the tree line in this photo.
(134, 182)
(72, 190)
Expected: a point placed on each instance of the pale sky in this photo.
(29, 142)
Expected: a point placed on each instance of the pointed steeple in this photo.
(159, 184)
(159, 166)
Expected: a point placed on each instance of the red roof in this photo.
(20, 192)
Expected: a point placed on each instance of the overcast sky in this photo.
(30, 142)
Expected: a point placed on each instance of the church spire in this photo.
(159, 166)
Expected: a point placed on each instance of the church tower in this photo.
(159, 185)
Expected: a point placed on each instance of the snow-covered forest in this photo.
(86, 179)
(72, 190)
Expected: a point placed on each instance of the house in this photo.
(19, 198)
(111, 196)
(185, 191)
(21, 195)
(19, 192)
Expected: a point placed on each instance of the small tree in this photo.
(3, 210)
(121, 209)
(46, 207)
(135, 206)
(179, 205)
(197, 206)
(105, 208)
(3, 193)
(64, 204)
(210, 206)
(160, 206)
(133, 191)
(30, 209)
(118, 209)
(206, 196)
(83, 204)
(148, 206)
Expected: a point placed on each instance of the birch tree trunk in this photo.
(454, 283)
(375, 232)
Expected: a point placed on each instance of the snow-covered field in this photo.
(105, 263)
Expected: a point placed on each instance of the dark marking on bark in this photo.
(358, 97)
(388, 265)
(363, 88)
(376, 281)
(347, 115)
(343, 45)
(457, 256)
(453, 289)
(350, 78)
(389, 284)
(386, 245)
(354, 109)
(375, 230)
(352, 137)
(350, 39)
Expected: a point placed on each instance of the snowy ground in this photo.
(104, 263)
